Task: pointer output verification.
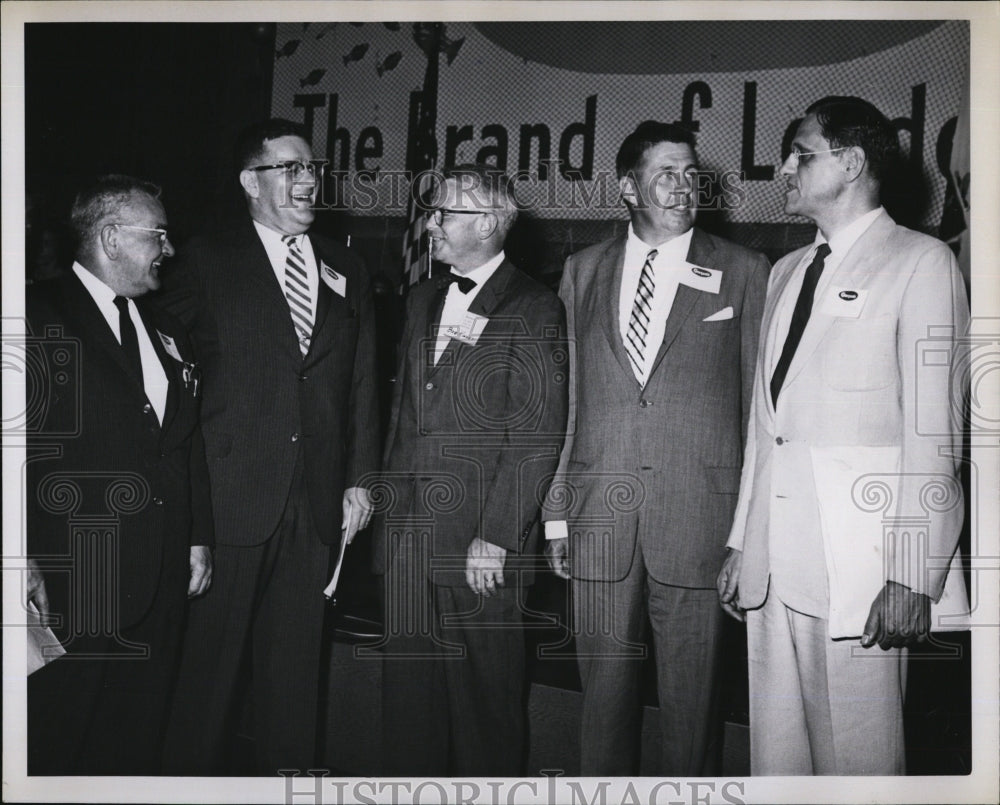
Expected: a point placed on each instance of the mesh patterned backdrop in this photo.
(518, 93)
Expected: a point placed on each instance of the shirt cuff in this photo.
(556, 529)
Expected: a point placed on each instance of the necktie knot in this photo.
(464, 283)
(291, 241)
(822, 252)
(121, 302)
(652, 255)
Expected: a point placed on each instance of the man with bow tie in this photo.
(282, 322)
(477, 421)
(663, 322)
(119, 519)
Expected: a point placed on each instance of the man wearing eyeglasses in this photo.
(119, 518)
(850, 505)
(282, 322)
(477, 420)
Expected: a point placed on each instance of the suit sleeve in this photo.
(754, 294)
(553, 508)
(528, 476)
(932, 404)
(363, 431)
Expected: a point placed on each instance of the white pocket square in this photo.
(722, 315)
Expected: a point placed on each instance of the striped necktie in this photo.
(638, 322)
(297, 292)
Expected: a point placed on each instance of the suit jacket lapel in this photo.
(261, 278)
(608, 287)
(169, 365)
(486, 301)
(856, 265)
(80, 306)
(700, 254)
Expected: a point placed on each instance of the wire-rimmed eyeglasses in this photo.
(162, 233)
(292, 167)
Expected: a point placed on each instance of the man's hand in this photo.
(201, 570)
(557, 553)
(484, 567)
(728, 585)
(898, 617)
(34, 591)
(357, 512)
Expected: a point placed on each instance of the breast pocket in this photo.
(860, 354)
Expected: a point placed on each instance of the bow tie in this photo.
(464, 283)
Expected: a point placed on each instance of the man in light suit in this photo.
(282, 322)
(663, 326)
(477, 422)
(852, 453)
(119, 519)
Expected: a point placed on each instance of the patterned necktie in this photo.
(800, 317)
(129, 337)
(638, 322)
(297, 292)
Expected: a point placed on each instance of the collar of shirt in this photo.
(154, 377)
(479, 276)
(672, 253)
(277, 253)
(841, 243)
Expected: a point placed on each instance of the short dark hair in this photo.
(848, 121)
(646, 135)
(103, 199)
(250, 144)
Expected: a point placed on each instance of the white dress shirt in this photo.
(840, 244)
(456, 303)
(669, 267)
(154, 377)
(277, 253)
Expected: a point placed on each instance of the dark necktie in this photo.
(800, 317)
(464, 283)
(130, 341)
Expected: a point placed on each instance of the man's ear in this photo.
(854, 161)
(488, 223)
(248, 180)
(111, 241)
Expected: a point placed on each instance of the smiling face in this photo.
(815, 182)
(462, 238)
(661, 192)
(277, 199)
(135, 269)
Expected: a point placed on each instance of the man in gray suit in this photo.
(663, 325)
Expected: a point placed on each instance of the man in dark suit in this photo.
(477, 422)
(119, 519)
(282, 322)
(663, 325)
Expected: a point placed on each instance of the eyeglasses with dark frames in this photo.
(292, 167)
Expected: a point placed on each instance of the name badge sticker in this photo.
(708, 280)
(844, 302)
(469, 330)
(170, 346)
(336, 282)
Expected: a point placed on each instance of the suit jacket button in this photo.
(147, 408)
(644, 403)
(303, 378)
(429, 386)
(295, 437)
(158, 501)
(779, 441)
